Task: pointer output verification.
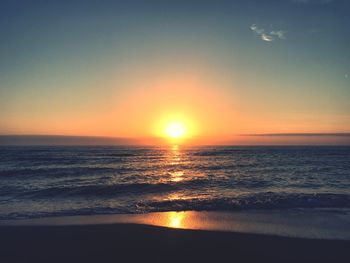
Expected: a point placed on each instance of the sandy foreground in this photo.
(175, 237)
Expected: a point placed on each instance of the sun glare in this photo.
(175, 130)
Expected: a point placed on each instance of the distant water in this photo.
(59, 181)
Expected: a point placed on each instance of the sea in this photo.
(54, 181)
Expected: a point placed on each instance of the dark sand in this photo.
(145, 243)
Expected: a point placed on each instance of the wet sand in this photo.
(146, 243)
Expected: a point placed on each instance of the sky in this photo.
(127, 68)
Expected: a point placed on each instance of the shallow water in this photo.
(60, 181)
(315, 223)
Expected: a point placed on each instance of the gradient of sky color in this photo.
(118, 68)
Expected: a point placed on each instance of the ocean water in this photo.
(68, 180)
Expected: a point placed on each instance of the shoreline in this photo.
(296, 223)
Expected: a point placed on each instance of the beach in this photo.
(144, 243)
(107, 239)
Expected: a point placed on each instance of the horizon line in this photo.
(143, 137)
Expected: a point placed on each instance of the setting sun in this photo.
(175, 130)
(176, 126)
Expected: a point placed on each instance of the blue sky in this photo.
(287, 61)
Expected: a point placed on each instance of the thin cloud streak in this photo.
(340, 134)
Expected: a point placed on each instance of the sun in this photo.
(175, 130)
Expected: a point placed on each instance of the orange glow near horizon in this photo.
(177, 108)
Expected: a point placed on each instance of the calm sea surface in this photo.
(59, 181)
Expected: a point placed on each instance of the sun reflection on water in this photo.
(175, 155)
(179, 219)
(174, 159)
(177, 176)
(175, 147)
(175, 219)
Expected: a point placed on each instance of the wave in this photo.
(106, 190)
(71, 188)
(47, 172)
(261, 201)
(266, 200)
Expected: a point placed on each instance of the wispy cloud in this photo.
(280, 34)
(256, 29)
(268, 36)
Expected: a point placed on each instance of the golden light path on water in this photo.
(175, 159)
(174, 219)
(176, 162)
